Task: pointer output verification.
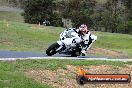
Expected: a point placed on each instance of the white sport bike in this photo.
(67, 46)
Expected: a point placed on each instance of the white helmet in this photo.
(83, 29)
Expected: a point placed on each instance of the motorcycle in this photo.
(68, 46)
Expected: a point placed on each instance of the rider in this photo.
(85, 36)
(80, 35)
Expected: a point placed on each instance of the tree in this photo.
(79, 11)
(36, 11)
(111, 16)
(128, 15)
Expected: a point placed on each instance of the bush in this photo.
(56, 20)
(79, 11)
(38, 11)
(129, 26)
(121, 28)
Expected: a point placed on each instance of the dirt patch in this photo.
(58, 79)
(105, 52)
(6, 42)
(66, 78)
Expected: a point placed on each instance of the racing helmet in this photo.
(83, 29)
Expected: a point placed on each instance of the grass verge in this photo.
(12, 72)
(11, 16)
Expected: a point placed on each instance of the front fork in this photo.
(61, 46)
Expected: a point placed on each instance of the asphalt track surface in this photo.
(14, 55)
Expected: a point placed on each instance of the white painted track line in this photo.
(68, 58)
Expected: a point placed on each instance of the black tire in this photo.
(74, 55)
(52, 49)
(76, 52)
(81, 80)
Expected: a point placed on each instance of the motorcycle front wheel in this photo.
(52, 49)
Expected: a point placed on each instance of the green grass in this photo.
(23, 37)
(114, 41)
(12, 72)
(54, 64)
(18, 80)
(11, 16)
(12, 77)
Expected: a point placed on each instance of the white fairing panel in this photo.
(94, 38)
(60, 42)
(67, 41)
(86, 38)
